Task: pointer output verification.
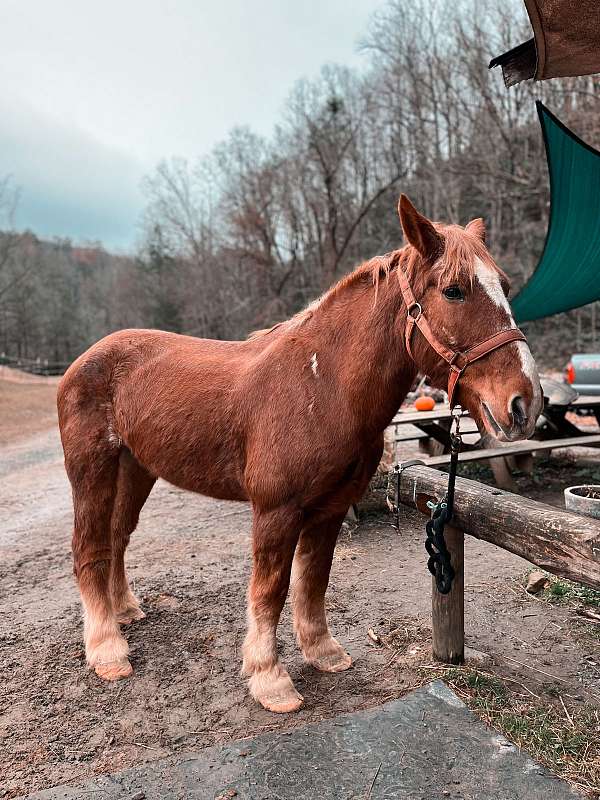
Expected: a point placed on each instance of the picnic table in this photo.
(554, 429)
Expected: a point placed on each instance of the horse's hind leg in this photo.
(310, 576)
(275, 535)
(93, 470)
(134, 484)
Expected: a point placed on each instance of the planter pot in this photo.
(583, 500)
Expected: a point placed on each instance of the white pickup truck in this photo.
(582, 373)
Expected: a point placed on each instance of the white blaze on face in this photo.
(490, 281)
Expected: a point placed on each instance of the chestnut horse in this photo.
(291, 419)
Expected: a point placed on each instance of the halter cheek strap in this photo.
(456, 360)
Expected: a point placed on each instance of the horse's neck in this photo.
(373, 369)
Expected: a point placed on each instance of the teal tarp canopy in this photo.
(568, 273)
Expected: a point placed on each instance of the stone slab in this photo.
(426, 746)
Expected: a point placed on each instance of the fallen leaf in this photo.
(373, 636)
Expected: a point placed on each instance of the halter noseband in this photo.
(456, 360)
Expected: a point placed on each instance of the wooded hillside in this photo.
(255, 230)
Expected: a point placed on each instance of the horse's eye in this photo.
(453, 293)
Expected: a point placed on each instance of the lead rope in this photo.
(439, 563)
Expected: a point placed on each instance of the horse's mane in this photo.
(457, 263)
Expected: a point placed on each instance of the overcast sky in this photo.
(94, 94)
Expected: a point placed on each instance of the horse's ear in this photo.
(419, 231)
(477, 228)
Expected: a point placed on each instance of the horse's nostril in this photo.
(518, 410)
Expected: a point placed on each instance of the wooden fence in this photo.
(35, 366)
(563, 543)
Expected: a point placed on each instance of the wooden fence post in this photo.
(448, 610)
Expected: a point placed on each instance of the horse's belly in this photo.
(222, 489)
(214, 480)
(206, 466)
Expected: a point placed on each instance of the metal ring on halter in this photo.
(419, 312)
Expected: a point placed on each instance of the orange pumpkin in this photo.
(424, 403)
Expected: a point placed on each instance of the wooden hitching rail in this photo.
(561, 542)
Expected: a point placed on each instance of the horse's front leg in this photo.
(274, 537)
(310, 577)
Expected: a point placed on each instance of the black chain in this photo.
(439, 563)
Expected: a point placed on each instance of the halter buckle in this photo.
(419, 310)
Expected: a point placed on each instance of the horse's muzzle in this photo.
(521, 416)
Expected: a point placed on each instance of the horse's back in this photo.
(117, 356)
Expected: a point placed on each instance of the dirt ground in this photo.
(25, 408)
(189, 562)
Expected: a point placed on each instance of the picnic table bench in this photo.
(432, 430)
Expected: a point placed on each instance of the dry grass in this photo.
(564, 738)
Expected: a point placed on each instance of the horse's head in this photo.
(463, 297)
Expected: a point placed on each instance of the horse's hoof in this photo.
(274, 690)
(282, 704)
(328, 655)
(336, 662)
(130, 615)
(115, 670)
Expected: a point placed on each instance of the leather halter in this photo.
(456, 360)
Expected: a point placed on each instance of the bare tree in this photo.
(10, 275)
(334, 138)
